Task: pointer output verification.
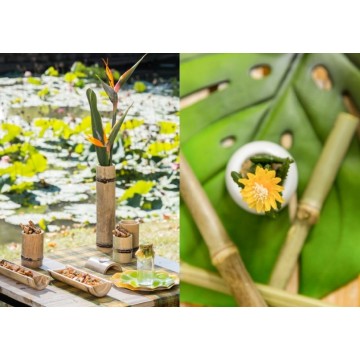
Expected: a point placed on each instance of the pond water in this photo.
(47, 167)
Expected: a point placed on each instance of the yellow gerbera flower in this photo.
(261, 190)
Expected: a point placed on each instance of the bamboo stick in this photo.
(314, 196)
(224, 254)
(274, 297)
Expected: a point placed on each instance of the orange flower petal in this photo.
(109, 73)
(95, 141)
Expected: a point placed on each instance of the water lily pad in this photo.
(9, 205)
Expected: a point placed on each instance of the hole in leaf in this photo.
(286, 139)
(321, 77)
(258, 72)
(228, 141)
(201, 94)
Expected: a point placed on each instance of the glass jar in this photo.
(145, 264)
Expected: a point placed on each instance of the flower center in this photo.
(260, 192)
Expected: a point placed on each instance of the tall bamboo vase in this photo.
(105, 207)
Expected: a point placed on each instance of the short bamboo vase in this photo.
(32, 250)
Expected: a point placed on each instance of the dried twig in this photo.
(120, 231)
(31, 228)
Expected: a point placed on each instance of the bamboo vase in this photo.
(32, 250)
(105, 207)
(133, 227)
(123, 249)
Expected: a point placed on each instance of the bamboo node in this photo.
(105, 181)
(221, 255)
(308, 213)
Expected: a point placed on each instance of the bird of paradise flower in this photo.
(103, 143)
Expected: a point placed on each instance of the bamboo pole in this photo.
(224, 254)
(314, 196)
(274, 297)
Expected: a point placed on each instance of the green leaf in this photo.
(70, 77)
(132, 124)
(113, 96)
(236, 177)
(79, 148)
(168, 127)
(117, 126)
(125, 77)
(97, 128)
(34, 81)
(12, 131)
(44, 93)
(141, 187)
(159, 148)
(286, 100)
(139, 87)
(51, 71)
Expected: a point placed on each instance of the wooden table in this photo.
(58, 294)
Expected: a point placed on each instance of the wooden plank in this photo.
(348, 295)
(51, 295)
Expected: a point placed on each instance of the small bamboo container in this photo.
(123, 249)
(133, 227)
(32, 250)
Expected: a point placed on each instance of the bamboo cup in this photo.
(105, 207)
(32, 250)
(123, 249)
(224, 254)
(133, 227)
(310, 205)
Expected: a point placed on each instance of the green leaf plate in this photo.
(129, 280)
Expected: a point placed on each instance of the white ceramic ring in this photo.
(255, 148)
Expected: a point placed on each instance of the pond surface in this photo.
(47, 167)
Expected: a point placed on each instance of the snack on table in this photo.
(81, 280)
(80, 277)
(31, 228)
(19, 269)
(23, 275)
(120, 231)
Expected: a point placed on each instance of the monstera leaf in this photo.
(286, 98)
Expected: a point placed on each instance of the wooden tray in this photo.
(97, 290)
(37, 282)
